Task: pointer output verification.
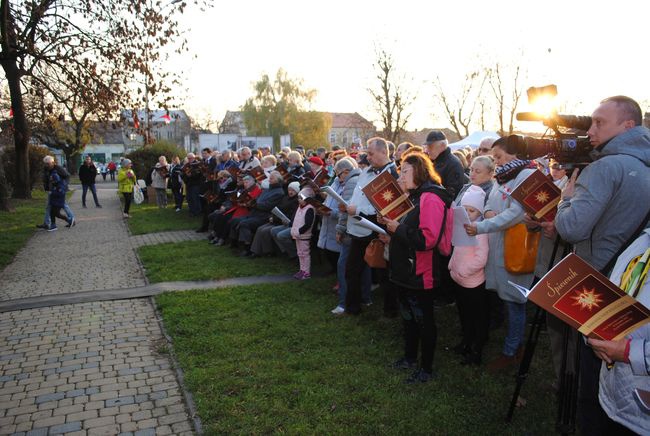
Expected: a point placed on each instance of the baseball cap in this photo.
(435, 136)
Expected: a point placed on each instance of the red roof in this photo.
(349, 121)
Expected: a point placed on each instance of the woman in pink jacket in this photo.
(467, 269)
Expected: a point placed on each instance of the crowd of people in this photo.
(264, 204)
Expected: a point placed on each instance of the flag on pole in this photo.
(166, 118)
(136, 121)
(11, 112)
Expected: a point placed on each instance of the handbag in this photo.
(520, 249)
(374, 255)
(138, 196)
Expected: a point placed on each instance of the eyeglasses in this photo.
(556, 167)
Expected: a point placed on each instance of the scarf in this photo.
(509, 171)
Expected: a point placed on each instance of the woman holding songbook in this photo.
(415, 241)
(295, 168)
(502, 213)
(159, 177)
(239, 208)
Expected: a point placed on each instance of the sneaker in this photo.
(404, 363)
(298, 275)
(305, 276)
(52, 229)
(218, 242)
(84, 206)
(98, 206)
(419, 376)
(71, 223)
(338, 310)
(178, 209)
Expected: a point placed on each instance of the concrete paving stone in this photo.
(172, 419)
(53, 359)
(107, 430)
(163, 430)
(38, 432)
(65, 428)
(77, 433)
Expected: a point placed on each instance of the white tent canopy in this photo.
(473, 140)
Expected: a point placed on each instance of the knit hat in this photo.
(475, 197)
(294, 186)
(126, 162)
(316, 160)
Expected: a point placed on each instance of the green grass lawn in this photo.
(148, 218)
(272, 359)
(17, 227)
(198, 260)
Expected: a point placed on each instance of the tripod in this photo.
(565, 423)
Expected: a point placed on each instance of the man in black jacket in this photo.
(87, 174)
(446, 164)
(453, 178)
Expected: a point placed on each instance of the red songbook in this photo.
(538, 195)
(319, 207)
(387, 197)
(284, 172)
(258, 173)
(585, 299)
(234, 171)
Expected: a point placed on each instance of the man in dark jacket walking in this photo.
(87, 174)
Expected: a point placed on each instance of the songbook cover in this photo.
(539, 196)
(257, 173)
(284, 172)
(234, 171)
(319, 207)
(241, 198)
(585, 299)
(386, 196)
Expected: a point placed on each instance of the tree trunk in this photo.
(4, 193)
(9, 61)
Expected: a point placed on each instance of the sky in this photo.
(589, 49)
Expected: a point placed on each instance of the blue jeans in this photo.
(516, 327)
(47, 220)
(84, 191)
(284, 241)
(366, 278)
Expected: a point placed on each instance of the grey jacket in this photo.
(509, 213)
(327, 235)
(611, 198)
(348, 190)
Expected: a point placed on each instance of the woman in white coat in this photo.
(501, 213)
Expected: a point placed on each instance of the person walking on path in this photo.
(125, 182)
(112, 167)
(87, 175)
(50, 165)
(58, 188)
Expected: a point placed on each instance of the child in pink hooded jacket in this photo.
(467, 269)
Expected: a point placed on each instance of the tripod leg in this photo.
(529, 351)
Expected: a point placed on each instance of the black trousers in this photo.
(128, 197)
(177, 192)
(222, 225)
(391, 302)
(332, 259)
(353, 271)
(473, 310)
(248, 226)
(55, 212)
(592, 419)
(445, 291)
(416, 306)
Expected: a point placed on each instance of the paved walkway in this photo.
(98, 367)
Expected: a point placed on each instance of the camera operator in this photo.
(601, 209)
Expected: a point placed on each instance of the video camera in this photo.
(569, 148)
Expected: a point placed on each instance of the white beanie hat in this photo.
(475, 197)
(294, 186)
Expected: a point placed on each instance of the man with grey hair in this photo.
(247, 161)
(260, 212)
(485, 146)
(361, 236)
(49, 166)
(193, 179)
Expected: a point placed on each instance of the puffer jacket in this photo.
(348, 190)
(413, 257)
(157, 180)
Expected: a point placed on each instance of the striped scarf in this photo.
(510, 170)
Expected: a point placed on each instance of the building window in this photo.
(332, 138)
